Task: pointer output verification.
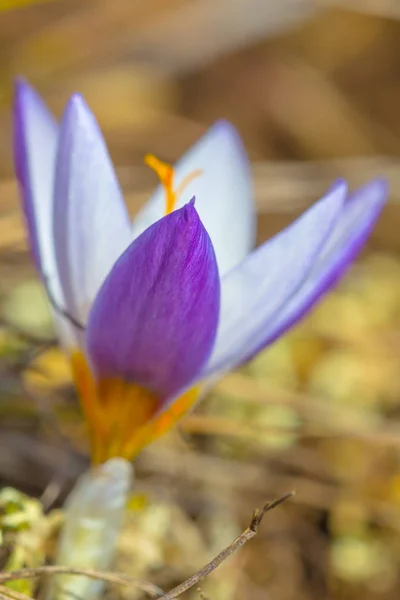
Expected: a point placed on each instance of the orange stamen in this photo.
(166, 175)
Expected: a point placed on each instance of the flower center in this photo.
(166, 175)
(123, 416)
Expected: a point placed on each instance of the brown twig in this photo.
(242, 539)
(114, 578)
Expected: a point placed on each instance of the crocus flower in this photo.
(150, 313)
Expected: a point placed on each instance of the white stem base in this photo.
(94, 514)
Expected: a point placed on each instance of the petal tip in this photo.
(339, 184)
(76, 106)
(24, 94)
(79, 121)
(224, 126)
(20, 86)
(381, 186)
(228, 136)
(228, 131)
(374, 194)
(189, 211)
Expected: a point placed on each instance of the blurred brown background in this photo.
(314, 88)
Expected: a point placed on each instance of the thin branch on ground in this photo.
(113, 578)
(242, 539)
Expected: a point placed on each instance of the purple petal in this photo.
(332, 260)
(154, 320)
(91, 224)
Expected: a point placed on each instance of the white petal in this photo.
(35, 146)
(254, 292)
(91, 224)
(223, 192)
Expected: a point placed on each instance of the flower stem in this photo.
(94, 514)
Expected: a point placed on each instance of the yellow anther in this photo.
(166, 175)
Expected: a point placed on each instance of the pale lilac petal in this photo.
(270, 321)
(35, 146)
(361, 212)
(224, 197)
(254, 291)
(154, 319)
(91, 223)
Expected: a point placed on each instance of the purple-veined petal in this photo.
(356, 221)
(154, 319)
(91, 223)
(224, 196)
(362, 210)
(35, 146)
(252, 293)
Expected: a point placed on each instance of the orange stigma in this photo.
(166, 175)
